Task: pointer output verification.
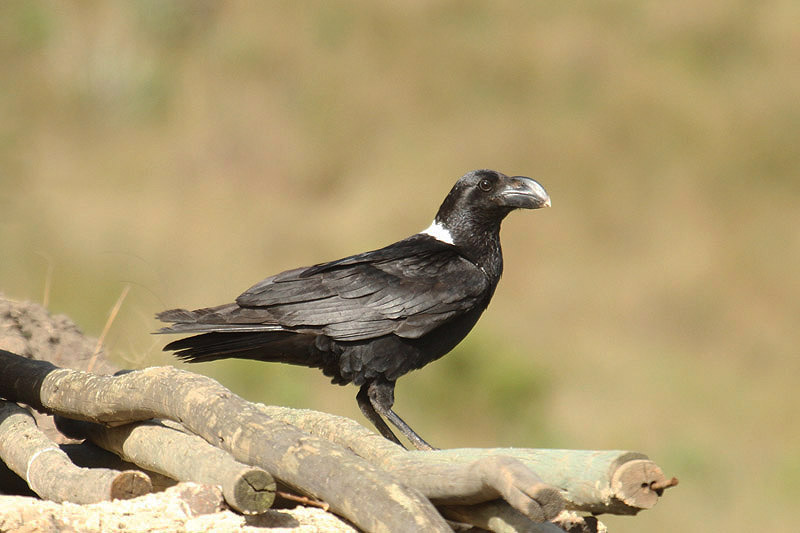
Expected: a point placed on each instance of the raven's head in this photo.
(480, 200)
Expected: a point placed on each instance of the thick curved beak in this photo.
(524, 193)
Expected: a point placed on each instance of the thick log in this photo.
(309, 464)
(49, 472)
(447, 485)
(485, 479)
(247, 489)
(618, 482)
(612, 481)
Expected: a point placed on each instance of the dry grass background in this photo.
(189, 149)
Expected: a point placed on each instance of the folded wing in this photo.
(409, 288)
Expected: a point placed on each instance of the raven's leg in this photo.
(365, 404)
(380, 393)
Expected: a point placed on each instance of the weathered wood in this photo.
(87, 455)
(247, 489)
(486, 479)
(638, 483)
(482, 481)
(592, 481)
(617, 482)
(49, 472)
(311, 465)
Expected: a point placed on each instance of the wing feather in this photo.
(408, 289)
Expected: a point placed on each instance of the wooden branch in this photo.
(311, 465)
(247, 489)
(49, 472)
(487, 479)
(618, 482)
(88, 455)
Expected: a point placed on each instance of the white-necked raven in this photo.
(369, 318)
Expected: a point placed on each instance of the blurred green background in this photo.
(189, 149)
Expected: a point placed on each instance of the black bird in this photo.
(370, 318)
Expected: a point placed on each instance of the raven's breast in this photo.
(391, 356)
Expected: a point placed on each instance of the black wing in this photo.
(408, 288)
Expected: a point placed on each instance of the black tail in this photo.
(275, 346)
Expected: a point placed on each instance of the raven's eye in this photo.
(485, 185)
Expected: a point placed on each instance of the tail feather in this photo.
(279, 346)
(178, 315)
(181, 327)
(210, 319)
(222, 344)
(222, 337)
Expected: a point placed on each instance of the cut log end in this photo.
(130, 484)
(639, 483)
(253, 491)
(550, 499)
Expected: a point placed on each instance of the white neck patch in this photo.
(438, 232)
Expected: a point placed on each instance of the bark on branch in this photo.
(312, 465)
(248, 489)
(456, 480)
(49, 471)
(617, 482)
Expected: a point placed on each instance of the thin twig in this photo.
(111, 317)
(303, 500)
(48, 278)
(658, 487)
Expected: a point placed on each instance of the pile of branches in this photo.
(139, 430)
